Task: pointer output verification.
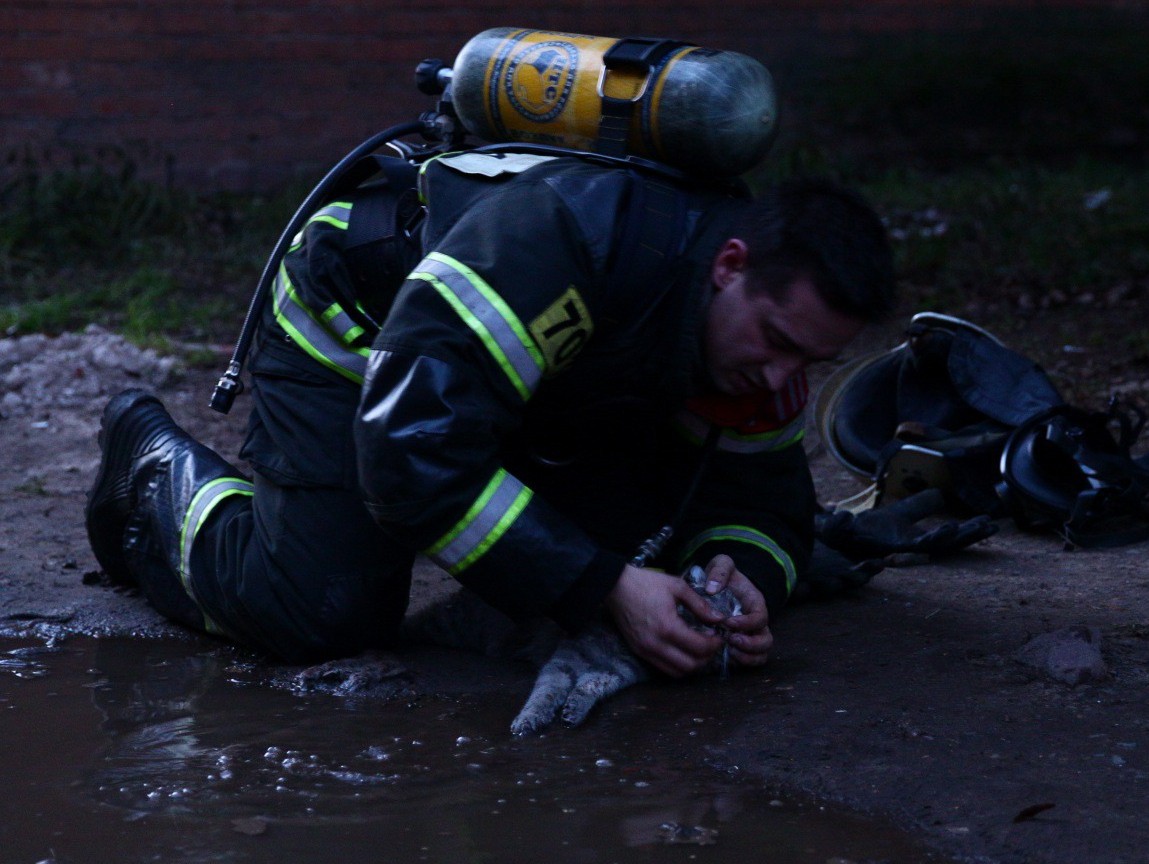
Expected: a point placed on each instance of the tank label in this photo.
(538, 78)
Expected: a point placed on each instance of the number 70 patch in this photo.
(562, 329)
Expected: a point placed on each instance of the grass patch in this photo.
(1007, 233)
(32, 486)
(82, 208)
(1010, 160)
(86, 239)
(1037, 235)
(1045, 85)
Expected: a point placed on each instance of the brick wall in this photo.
(245, 93)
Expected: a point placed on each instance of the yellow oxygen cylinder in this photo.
(699, 110)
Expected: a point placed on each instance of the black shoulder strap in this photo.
(398, 172)
(654, 232)
(661, 221)
(381, 243)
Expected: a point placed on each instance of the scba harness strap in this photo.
(382, 234)
(387, 200)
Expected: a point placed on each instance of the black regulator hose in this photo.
(229, 385)
(652, 546)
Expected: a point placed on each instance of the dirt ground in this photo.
(908, 700)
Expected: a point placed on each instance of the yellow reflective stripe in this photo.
(489, 316)
(202, 504)
(422, 182)
(342, 324)
(696, 427)
(745, 534)
(327, 337)
(488, 519)
(312, 335)
(336, 213)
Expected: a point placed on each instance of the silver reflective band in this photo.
(488, 519)
(341, 324)
(745, 534)
(337, 213)
(322, 340)
(205, 500)
(489, 316)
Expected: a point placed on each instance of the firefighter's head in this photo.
(807, 268)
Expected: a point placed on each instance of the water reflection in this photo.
(26, 662)
(166, 751)
(187, 734)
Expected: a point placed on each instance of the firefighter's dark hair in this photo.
(830, 234)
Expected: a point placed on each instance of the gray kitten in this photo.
(581, 670)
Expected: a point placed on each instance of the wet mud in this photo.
(133, 750)
(913, 703)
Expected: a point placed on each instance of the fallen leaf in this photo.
(1031, 811)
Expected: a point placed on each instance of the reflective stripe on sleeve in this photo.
(489, 316)
(324, 338)
(744, 534)
(202, 504)
(488, 519)
(340, 323)
(337, 214)
(731, 441)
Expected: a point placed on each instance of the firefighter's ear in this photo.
(729, 263)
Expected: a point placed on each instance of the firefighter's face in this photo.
(756, 340)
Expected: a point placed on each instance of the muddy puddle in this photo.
(139, 751)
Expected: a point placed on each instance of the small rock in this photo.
(1071, 655)
(377, 673)
(1096, 199)
(76, 370)
(1119, 293)
(251, 827)
(675, 834)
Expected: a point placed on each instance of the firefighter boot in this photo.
(183, 487)
(135, 433)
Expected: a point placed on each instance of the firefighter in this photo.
(527, 406)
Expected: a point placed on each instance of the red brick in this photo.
(16, 106)
(253, 90)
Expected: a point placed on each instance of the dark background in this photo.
(246, 94)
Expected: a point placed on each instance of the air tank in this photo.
(700, 110)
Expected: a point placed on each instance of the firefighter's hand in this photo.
(584, 670)
(644, 605)
(885, 530)
(749, 635)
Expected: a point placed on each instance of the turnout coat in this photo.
(534, 399)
